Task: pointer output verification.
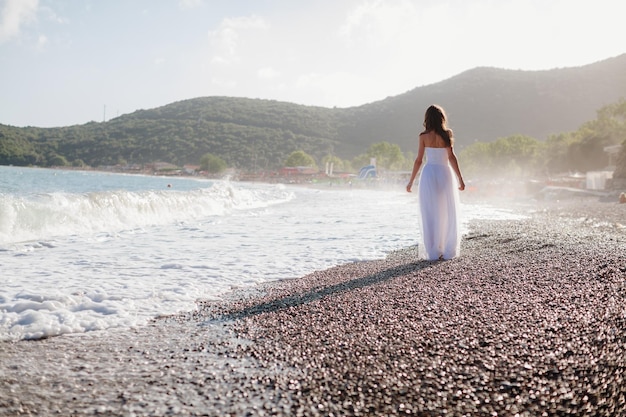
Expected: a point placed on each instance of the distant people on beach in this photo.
(438, 196)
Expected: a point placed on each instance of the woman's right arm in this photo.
(417, 164)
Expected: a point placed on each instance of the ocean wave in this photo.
(45, 215)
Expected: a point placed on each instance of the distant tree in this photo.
(517, 151)
(15, 149)
(587, 154)
(339, 165)
(409, 158)
(300, 159)
(388, 156)
(58, 161)
(347, 166)
(360, 161)
(610, 122)
(620, 165)
(510, 157)
(212, 163)
(583, 149)
(477, 161)
(556, 153)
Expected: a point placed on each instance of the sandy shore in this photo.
(529, 321)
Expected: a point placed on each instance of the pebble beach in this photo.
(530, 320)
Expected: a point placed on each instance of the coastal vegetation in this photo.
(522, 123)
(581, 150)
(300, 158)
(212, 163)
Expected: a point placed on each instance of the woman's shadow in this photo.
(298, 299)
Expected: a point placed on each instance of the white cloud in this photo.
(379, 23)
(267, 73)
(350, 53)
(189, 4)
(14, 14)
(219, 60)
(51, 15)
(327, 52)
(225, 40)
(42, 41)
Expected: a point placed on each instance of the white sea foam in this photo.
(42, 216)
(99, 251)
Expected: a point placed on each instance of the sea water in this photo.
(83, 250)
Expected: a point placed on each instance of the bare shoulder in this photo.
(432, 139)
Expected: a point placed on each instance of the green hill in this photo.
(483, 104)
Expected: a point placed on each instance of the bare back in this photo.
(432, 140)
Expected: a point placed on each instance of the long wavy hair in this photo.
(435, 120)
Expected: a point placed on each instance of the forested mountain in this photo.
(483, 104)
(243, 132)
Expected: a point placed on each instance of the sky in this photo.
(67, 62)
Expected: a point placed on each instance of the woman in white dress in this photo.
(438, 197)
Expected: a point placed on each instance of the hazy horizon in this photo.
(68, 63)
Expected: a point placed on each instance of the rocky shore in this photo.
(530, 320)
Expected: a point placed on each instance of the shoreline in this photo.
(511, 191)
(530, 318)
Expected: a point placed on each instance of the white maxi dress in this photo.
(439, 207)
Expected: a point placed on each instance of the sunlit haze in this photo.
(65, 62)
